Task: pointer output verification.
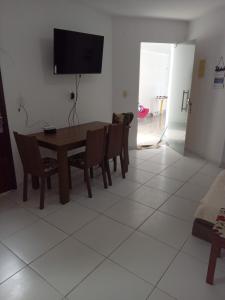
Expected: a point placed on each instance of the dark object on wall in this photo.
(7, 172)
(77, 53)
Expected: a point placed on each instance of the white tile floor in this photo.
(130, 242)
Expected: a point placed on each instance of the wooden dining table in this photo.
(64, 140)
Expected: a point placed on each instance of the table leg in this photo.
(35, 182)
(63, 176)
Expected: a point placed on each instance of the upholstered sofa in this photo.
(211, 203)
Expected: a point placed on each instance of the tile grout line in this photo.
(92, 271)
(178, 250)
(114, 250)
(45, 280)
(124, 242)
(108, 258)
(110, 254)
(172, 261)
(99, 213)
(156, 288)
(26, 266)
(56, 245)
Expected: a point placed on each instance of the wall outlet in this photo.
(20, 103)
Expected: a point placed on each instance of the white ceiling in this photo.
(172, 9)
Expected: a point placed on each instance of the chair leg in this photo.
(126, 158)
(42, 193)
(91, 172)
(70, 178)
(104, 175)
(122, 165)
(35, 182)
(87, 179)
(108, 172)
(25, 181)
(215, 250)
(219, 253)
(49, 183)
(114, 164)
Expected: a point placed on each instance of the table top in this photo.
(68, 137)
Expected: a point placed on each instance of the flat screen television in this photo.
(77, 53)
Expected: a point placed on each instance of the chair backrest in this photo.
(95, 146)
(114, 140)
(29, 154)
(125, 118)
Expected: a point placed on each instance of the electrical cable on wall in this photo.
(73, 115)
(21, 106)
(39, 122)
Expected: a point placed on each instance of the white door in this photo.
(179, 104)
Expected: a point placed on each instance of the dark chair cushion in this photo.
(50, 164)
(77, 160)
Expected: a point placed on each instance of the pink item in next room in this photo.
(142, 112)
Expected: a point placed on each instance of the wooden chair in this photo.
(93, 156)
(114, 148)
(125, 119)
(34, 164)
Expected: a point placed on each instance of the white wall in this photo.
(206, 131)
(26, 54)
(154, 73)
(128, 33)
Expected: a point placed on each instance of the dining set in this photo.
(100, 143)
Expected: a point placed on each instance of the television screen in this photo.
(77, 53)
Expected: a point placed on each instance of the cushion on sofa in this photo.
(213, 200)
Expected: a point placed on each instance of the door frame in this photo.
(136, 116)
(12, 183)
(191, 42)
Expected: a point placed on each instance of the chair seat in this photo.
(77, 160)
(219, 227)
(50, 164)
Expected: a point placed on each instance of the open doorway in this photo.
(155, 62)
(165, 94)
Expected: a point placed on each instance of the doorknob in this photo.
(190, 105)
